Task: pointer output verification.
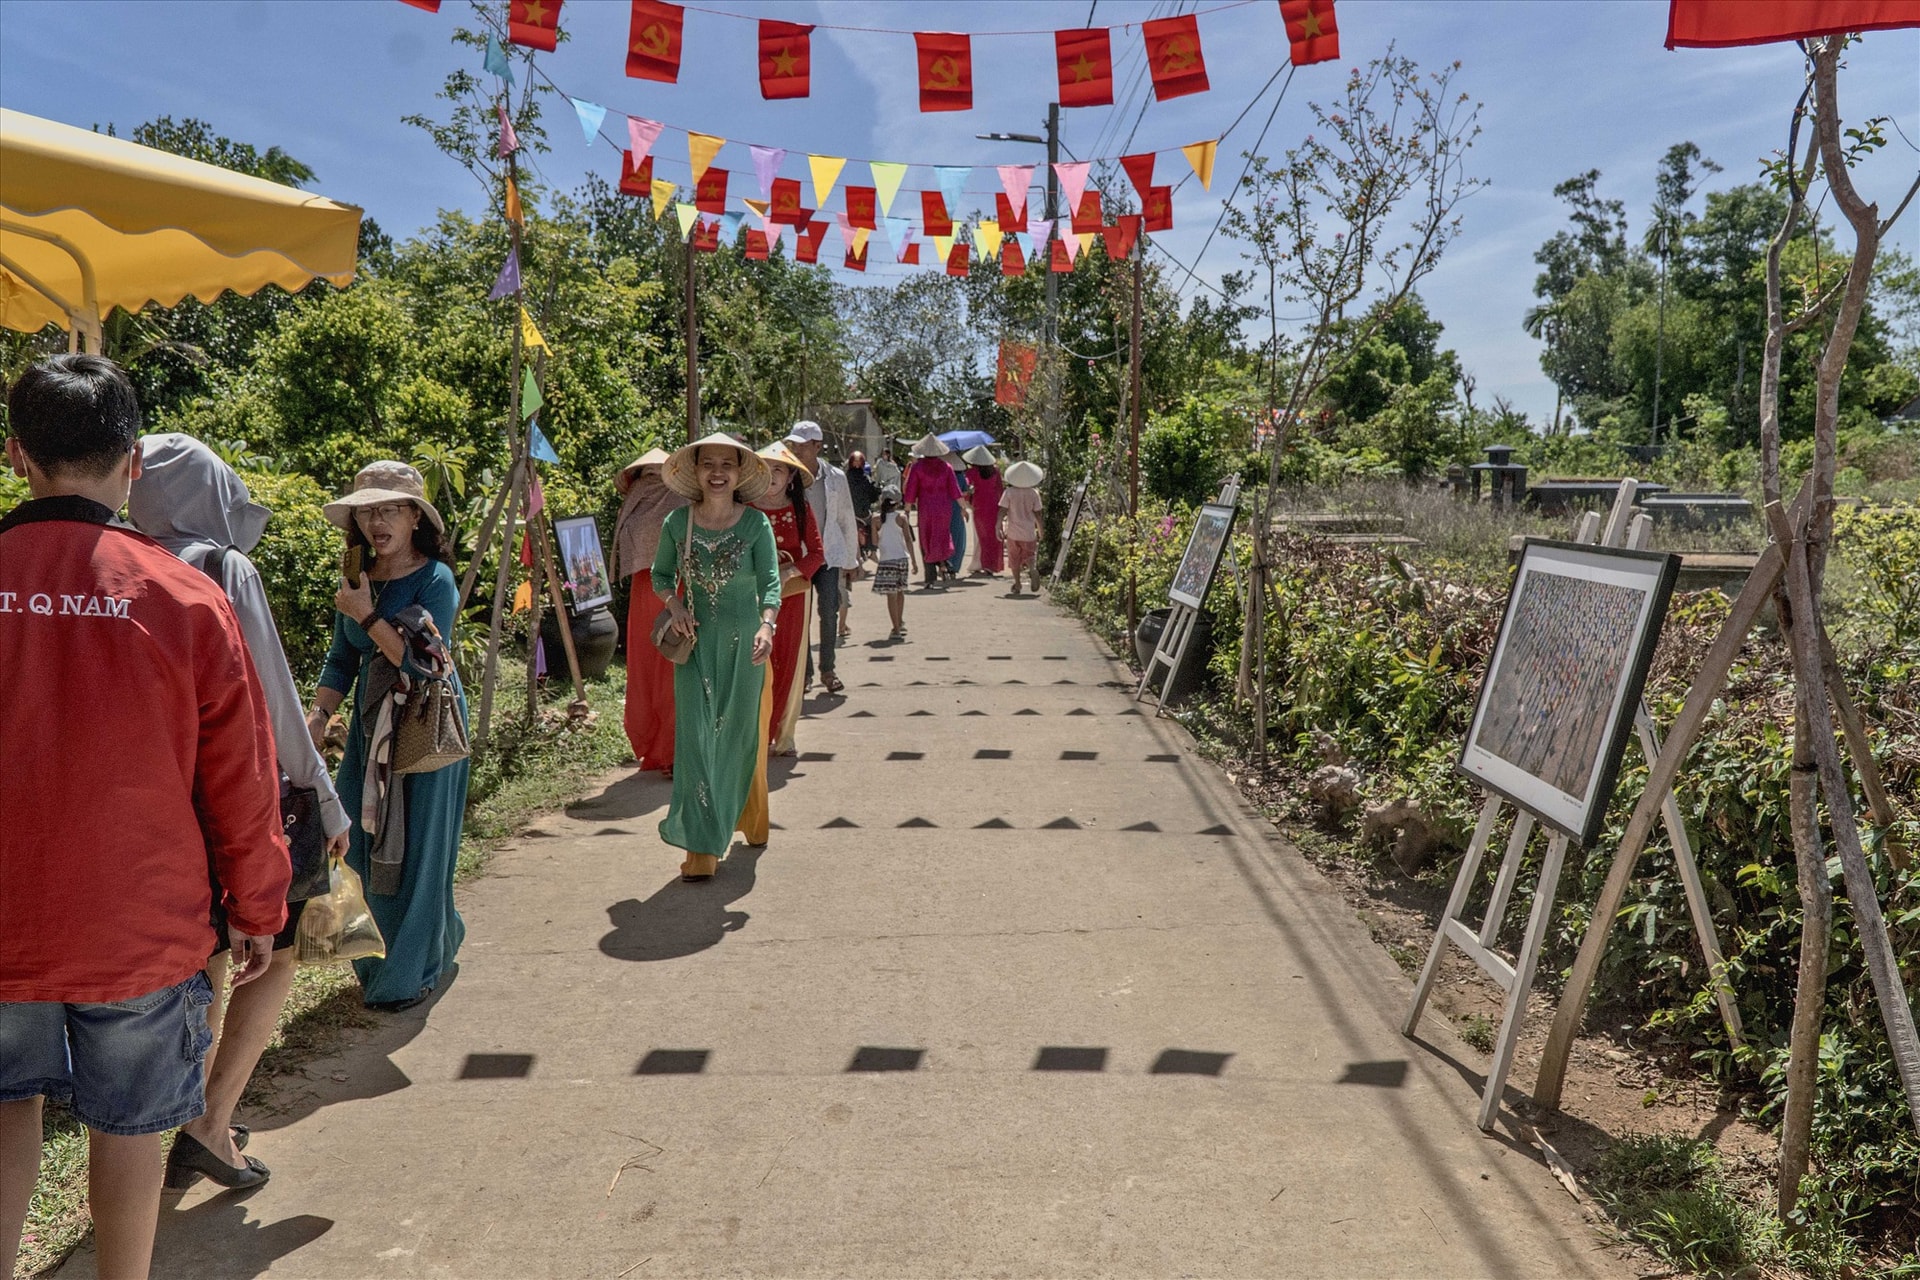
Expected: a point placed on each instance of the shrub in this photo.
(299, 562)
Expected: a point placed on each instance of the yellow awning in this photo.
(89, 223)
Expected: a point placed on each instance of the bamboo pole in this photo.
(515, 451)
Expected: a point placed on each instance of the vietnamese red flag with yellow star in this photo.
(786, 203)
(1010, 219)
(1087, 219)
(653, 41)
(1015, 373)
(856, 258)
(706, 235)
(860, 207)
(710, 193)
(636, 181)
(1174, 57)
(806, 241)
(785, 59)
(1311, 33)
(1158, 209)
(957, 260)
(1085, 57)
(933, 214)
(1719, 24)
(534, 23)
(1013, 262)
(946, 70)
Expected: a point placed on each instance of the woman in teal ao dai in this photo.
(731, 598)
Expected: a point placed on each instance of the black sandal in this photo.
(190, 1161)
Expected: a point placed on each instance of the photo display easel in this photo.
(1561, 774)
(1075, 508)
(1206, 546)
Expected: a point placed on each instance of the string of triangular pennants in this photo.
(943, 61)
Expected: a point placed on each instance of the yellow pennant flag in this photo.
(514, 214)
(523, 597)
(663, 193)
(943, 247)
(530, 334)
(860, 237)
(886, 182)
(1200, 156)
(687, 213)
(987, 236)
(701, 149)
(760, 207)
(826, 172)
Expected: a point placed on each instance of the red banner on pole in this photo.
(786, 59)
(1174, 57)
(946, 70)
(1017, 361)
(653, 41)
(1085, 57)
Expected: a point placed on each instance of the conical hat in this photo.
(979, 456)
(683, 476)
(1025, 475)
(930, 446)
(778, 452)
(631, 472)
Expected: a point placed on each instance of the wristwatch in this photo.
(771, 624)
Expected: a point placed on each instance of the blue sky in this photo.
(1566, 86)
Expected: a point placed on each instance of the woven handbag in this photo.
(428, 733)
(673, 646)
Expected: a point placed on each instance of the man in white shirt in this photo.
(832, 503)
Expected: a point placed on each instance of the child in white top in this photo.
(897, 555)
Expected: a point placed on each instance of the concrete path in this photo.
(1019, 988)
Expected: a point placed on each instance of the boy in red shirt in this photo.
(135, 747)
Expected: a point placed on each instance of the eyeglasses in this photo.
(385, 512)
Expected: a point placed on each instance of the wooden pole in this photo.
(693, 346)
(504, 572)
(1133, 451)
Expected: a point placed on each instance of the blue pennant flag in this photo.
(509, 281)
(591, 115)
(953, 187)
(538, 446)
(898, 229)
(497, 62)
(730, 227)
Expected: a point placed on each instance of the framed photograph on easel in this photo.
(1075, 508)
(583, 565)
(1557, 705)
(1205, 545)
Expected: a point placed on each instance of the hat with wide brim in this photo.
(381, 482)
(631, 472)
(1025, 475)
(930, 446)
(979, 456)
(778, 452)
(682, 472)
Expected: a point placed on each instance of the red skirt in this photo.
(649, 715)
(789, 653)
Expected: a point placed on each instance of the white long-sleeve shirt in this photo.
(832, 503)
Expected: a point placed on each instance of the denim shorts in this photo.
(128, 1067)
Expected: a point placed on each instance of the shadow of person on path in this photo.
(631, 797)
(681, 919)
(215, 1239)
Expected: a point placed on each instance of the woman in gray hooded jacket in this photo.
(197, 507)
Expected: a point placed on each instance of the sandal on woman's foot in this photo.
(189, 1161)
(831, 683)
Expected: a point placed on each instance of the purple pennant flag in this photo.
(509, 141)
(509, 282)
(766, 163)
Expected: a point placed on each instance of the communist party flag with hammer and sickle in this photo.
(636, 180)
(534, 23)
(1173, 55)
(653, 41)
(1085, 56)
(946, 71)
(785, 59)
(786, 203)
(1311, 32)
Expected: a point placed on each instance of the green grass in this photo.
(1477, 1030)
(526, 769)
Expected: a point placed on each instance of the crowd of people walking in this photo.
(146, 649)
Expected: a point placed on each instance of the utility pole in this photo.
(1133, 450)
(1660, 341)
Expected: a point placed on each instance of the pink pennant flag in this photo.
(536, 497)
(1072, 245)
(1016, 178)
(1073, 180)
(846, 230)
(641, 135)
(766, 163)
(509, 141)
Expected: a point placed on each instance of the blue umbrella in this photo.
(961, 441)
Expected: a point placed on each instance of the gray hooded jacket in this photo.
(193, 504)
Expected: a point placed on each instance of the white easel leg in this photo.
(1529, 958)
(1456, 902)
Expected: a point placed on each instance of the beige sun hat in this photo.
(631, 472)
(683, 475)
(930, 446)
(378, 482)
(778, 452)
(979, 456)
(1025, 475)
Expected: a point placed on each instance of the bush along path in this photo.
(1377, 661)
(527, 769)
